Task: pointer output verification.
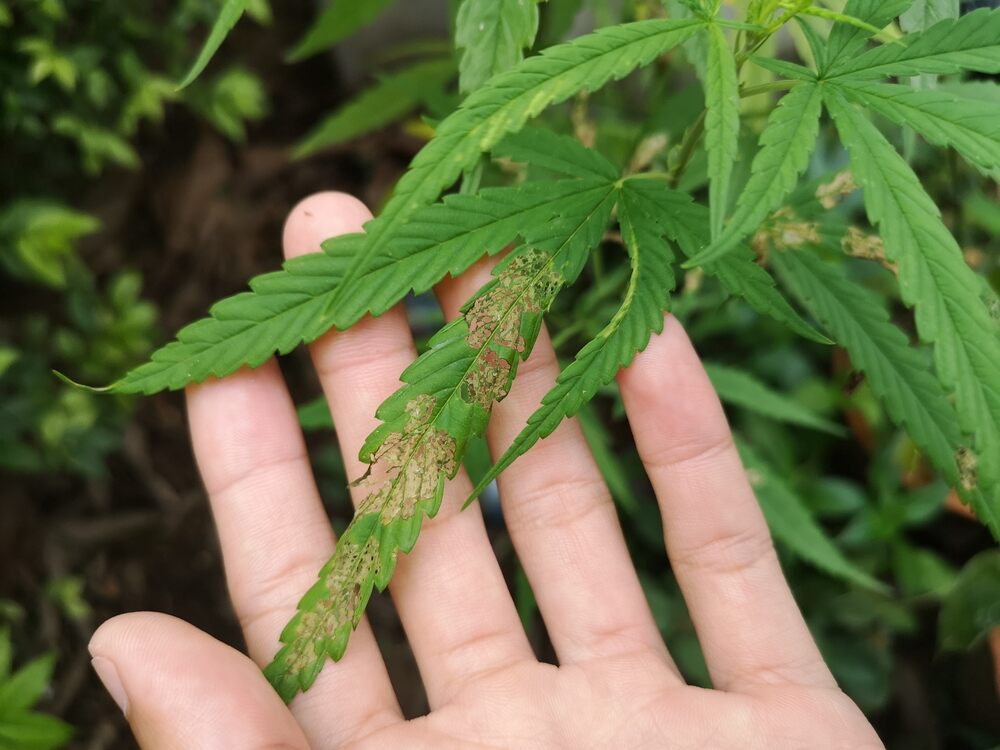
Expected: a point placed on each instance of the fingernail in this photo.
(108, 673)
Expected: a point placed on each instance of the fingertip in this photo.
(320, 216)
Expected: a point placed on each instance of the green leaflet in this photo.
(446, 400)
(740, 388)
(933, 278)
(391, 98)
(971, 42)
(792, 523)
(285, 308)
(846, 42)
(449, 237)
(501, 107)
(493, 35)
(722, 125)
(970, 126)
(229, 14)
(686, 222)
(626, 334)
(541, 147)
(341, 19)
(785, 147)
(896, 372)
(282, 310)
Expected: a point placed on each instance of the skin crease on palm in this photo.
(616, 685)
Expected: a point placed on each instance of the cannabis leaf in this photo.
(785, 146)
(793, 525)
(493, 35)
(722, 124)
(896, 372)
(229, 14)
(285, 308)
(627, 333)
(686, 222)
(385, 102)
(738, 387)
(970, 126)
(501, 107)
(970, 42)
(446, 400)
(933, 278)
(282, 310)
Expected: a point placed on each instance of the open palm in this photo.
(616, 685)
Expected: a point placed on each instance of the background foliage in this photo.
(79, 98)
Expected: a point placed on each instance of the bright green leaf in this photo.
(722, 125)
(934, 279)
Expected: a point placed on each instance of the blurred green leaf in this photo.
(341, 19)
(736, 386)
(67, 593)
(228, 102)
(229, 14)
(388, 100)
(25, 687)
(973, 606)
(25, 730)
(38, 239)
(920, 571)
(793, 525)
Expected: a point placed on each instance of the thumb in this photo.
(180, 688)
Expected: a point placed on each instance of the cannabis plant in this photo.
(766, 236)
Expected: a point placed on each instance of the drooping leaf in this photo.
(895, 371)
(492, 35)
(627, 333)
(341, 19)
(970, 126)
(501, 107)
(793, 525)
(722, 124)
(740, 388)
(388, 100)
(970, 42)
(925, 13)
(934, 279)
(445, 400)
(229, 14)
(686, 222)
(559, 153)
(846, 42)
(785, 146)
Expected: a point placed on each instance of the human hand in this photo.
(616, 685)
